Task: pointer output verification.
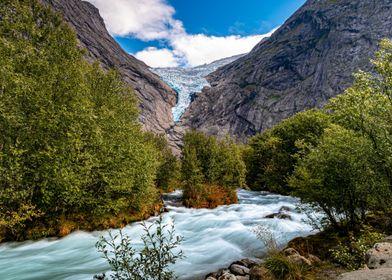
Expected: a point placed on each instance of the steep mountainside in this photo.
(156, 98)
(308, 60)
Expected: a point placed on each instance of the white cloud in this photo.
(150, 20)
(199, 49)
(144, 19)
(154, 57)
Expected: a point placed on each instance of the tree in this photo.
(211, 170)
(339, 177)
(70, 143)
(272, 155)
(366, 107)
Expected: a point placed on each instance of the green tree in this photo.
(366, 107)
(272, 155)
(339, 178)
(70, 143)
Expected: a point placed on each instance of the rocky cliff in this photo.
(308, 60)
(156, 98)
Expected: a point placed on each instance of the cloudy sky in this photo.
(170, 33)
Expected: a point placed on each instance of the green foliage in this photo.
(152, 262)
(338, 177)
(366, 107)
(352, 254)
(168, 173)
(211, 161)
(349, 172)
(70, 144)
(282, 268)
(211, 170)
(272, 155)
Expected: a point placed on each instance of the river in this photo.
(213, 238)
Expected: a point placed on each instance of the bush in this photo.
(352, 254)
(283, 268)
(151, 263)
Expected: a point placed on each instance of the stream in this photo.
(213, 238)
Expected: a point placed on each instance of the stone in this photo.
(257, 273)
(227, 276)
(237, 269)
(307, 61)
(243, 277)
(372, 274)
(290, 252)
(313, 259)
(380, 256)
(387, 240)
(300, 260)
(282, 216)
(210, 278)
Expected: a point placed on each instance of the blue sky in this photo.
(191, 32)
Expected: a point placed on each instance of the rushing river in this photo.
(212, 239)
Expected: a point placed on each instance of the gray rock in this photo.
(375, 274)
(237, 269)
(387, 239)
(380, 256)
(257, 273)
(282, 216)
(210, 278)
(227, 276)
(300, 260)
(156, 98)
(290, 252)
(243, 277)
(308, 60)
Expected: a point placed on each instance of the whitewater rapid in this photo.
(213, 238)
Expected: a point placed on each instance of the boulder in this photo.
(282, 216)
(227, 276)
(210, 278)
(246, 277)
(300, 260)
(290, 252)
(373, 274)
(313, 259)
(257, 273)
(237, 269)
(387, 239)
(380, 256)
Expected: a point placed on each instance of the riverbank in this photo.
(213, 238)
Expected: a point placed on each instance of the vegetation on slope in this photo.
(72, 153)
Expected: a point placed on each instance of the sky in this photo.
(187, 33)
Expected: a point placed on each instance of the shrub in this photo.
(352, 254)
(151, 263)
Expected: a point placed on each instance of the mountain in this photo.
(308, 60)
(187, 82)
(155, 97)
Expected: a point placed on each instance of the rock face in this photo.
(308, 60)
(156, 98)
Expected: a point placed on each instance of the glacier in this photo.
(187, 82)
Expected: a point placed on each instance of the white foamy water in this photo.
(212, 239)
